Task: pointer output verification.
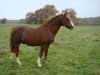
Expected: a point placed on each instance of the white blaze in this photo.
(72, 24)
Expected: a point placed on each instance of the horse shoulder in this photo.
(47, 36)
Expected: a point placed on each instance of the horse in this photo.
(42, 36)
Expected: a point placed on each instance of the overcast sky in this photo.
(17, 9)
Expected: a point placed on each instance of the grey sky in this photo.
(16, 9)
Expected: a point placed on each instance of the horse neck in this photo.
(53, 26)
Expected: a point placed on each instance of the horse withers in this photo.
(42, 36)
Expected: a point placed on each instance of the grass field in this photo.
(74, 52)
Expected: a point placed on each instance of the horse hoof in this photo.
(19, 63)
(39, 65)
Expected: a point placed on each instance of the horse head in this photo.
(66, 21)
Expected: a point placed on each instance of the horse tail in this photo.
(12, 44)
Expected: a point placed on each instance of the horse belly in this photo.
(33, 43)
(31, 40)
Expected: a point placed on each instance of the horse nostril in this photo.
(72, 27)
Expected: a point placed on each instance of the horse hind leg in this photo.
(12, 50)
(15, 49)
(17, 53)
(12, 47)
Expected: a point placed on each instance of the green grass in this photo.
(74, 52)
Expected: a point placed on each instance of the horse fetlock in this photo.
(38, 62)
(19, 63)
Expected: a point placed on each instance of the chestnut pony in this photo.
(42, 36)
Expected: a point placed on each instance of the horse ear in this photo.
(66, 13)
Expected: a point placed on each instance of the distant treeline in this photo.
(21, 21)
(82, 21)
(4, 21)
(90, 21)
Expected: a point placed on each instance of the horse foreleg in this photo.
(18, 61)
(43, 48)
